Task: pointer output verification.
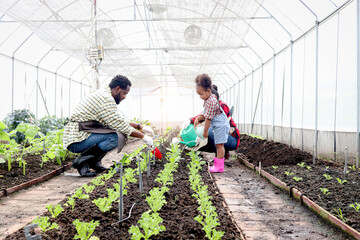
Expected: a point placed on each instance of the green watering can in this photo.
(188, 135)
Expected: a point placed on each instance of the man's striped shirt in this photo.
(99, 106)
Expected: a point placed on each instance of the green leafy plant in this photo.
(275, 167)
(89, 188)
(79, 194)
(44, 224)
(16, 117)
(97, 181)
(54, 210)
(340, 215)
(84, 229)
(288, 173)
(325, 191)
(341, 181)
(150, 223)
(308, 167)
(353, 167)
(156, 198)
(302, 164)
(355, 206)
(297, 178)
(104, 204)
(328, 177)
(52, 123)
(70, 202)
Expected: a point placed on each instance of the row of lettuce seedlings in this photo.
(85, 229)
(150, 221)
(208, 216)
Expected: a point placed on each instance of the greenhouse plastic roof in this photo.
(167, 43)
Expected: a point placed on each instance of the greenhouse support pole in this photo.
(70, 77)
(316, 91)
(244, 104)
(262, 97)
(358, 81)
(13, 72)
(317, 23)
(291, 90)
(38, 86)
(239, 106)
(97, 64)
(252, 112)
(336, 82)
(303, 98)
(273, 102)
(56, 74)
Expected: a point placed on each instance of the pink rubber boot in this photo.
(218, 165)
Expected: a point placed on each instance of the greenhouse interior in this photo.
(159, 119)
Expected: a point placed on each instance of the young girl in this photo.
(214, 117)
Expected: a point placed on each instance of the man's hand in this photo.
(148, 140)
(148, 130)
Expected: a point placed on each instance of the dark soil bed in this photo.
(178, 213)
(277, 158)
(33, 170)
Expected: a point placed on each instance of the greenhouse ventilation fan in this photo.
(106, 37)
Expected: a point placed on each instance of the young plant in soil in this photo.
(328, 177)
(54, 210)
(97, 181)
(288, 173)
(44, 224)
(355, 206)
(325, 191)
(297, 178)
(89, 188)
(340, 215)
(156, 198)
(150, 223)
(208, 218)
(79, 194)
(275, 167)
(341, 181)
(302, 164)
(70, 202)
(85, 229)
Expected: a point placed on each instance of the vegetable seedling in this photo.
(275, 167)
(70, 202)
(297, 178)
(44, 224)
(54, 210)
(355, 206)
(84, 229)
(325, 191)
(341, 181)
(288, 173)
(340, 214)
(328, 177)
(302, 164)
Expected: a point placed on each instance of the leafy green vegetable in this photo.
(84, 229)
(44, 224)
(54, 210)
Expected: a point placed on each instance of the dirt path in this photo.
(263, 211)
(19, 209)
